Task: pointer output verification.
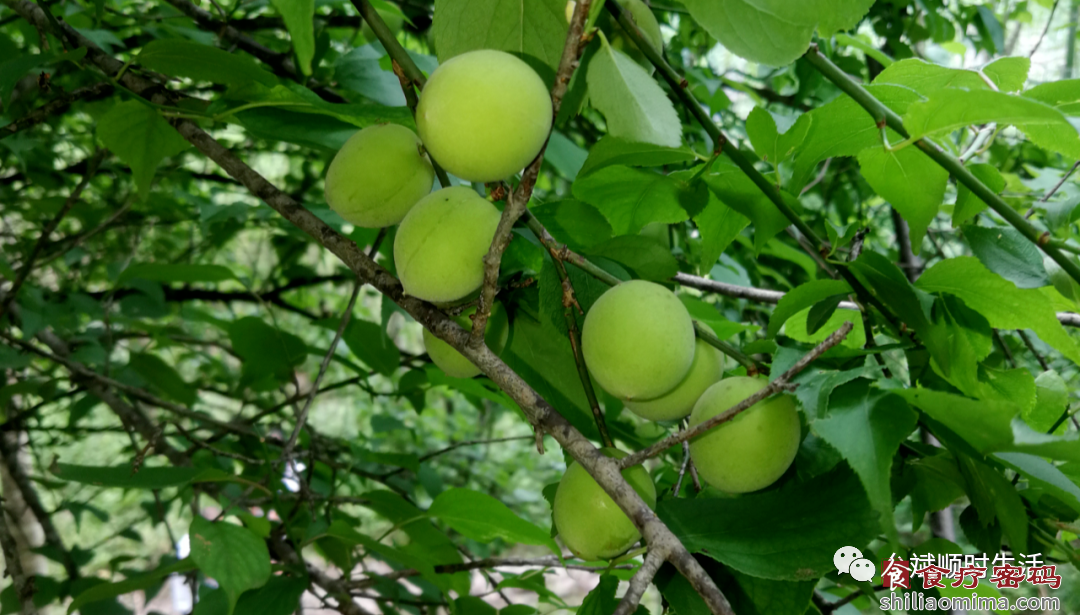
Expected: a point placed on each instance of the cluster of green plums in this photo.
(483, 115)
(638, 342)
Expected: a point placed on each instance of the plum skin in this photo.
(378, 175)
(589, 522)
(638, 340)
(452, 362)
(484, 115)
(705, 371)
(752, 450)
(440, 245)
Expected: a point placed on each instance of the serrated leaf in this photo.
(1006, 252)
(359, 71)
(631, 198)
(756, 533)
(611, 150)
(139, 136)
(573, 222)
(774, 32)
(1002, 304)
(949, 109)
(821, 312)
(527, 28)
(1051, 402)
(967, 204)
(125, 476)
(770, 144)
(634, 106)
(483, 518)
(1009, 74)
(718, 225)
(926, 78)
(184, 58)
(299, 19)
(910, 181)
(866, 426)
(105, 591)
(233, 556)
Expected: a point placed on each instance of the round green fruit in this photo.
(589, 522)
(440, 246)
(752, 450)
(452, 362)
(638, 340)
(378, 175)
(705, 371)
(484, 115)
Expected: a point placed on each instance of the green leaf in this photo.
(866, 426)
(573, 222)
(822, 312)
(534, 30)
(643, 256)
(131, 584)
(46, 590)
(602, 601)
(342, 531)
(483, 518)
(161, 376)
(280, 596)
(1006, 252)
(15, 69)
(426, 540)
(369, 343)
(774, 32)
(299, 19)
(611, 150)
(796, 328)
(927, 78)
(631, 198)
(184, 58)
(1009, 74)
(265, 350)
(967, 204)
(175, 272)
(802, 297)
(912, 182)
(740, 193)
(297, 98)
(989, 490)
(1045, 475)
(124, 475)
(949, 109)
(139, 136)
(359, 71)
(718, 225)
(1002, 304)
(756, 533)
(587, 290)
(1051, 401)
(843, 128)
(770, 144)
(233, 556)
(634, 106)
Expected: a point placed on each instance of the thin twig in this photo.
(44, 112)
(301, 418)
(457, 445)
(774, 387)
(1034, 351)
(549, 561)
(1046, 29)
(1046, 197)
(28, 265)
(682, 470)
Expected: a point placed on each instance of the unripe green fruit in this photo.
(378, 175)
(752, 450)
(440, 246)
(638, 340)
(453, 362)
(484, 115)
(589, 522)
(705, 371)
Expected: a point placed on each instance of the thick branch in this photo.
(640, 582)
(774, 387)
(24, 585)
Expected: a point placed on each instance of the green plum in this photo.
(484, 115)
(638, 340)
(752, 450)
(378, 175)
(440, 246)
(705, 371)
(453, 362)
(589, 522)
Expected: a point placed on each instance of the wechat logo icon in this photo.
(850, 560)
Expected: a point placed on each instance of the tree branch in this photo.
(774, 387)
(490, 562)
(519, 198)
(42, 113)
(24, 585)
(640, 582)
